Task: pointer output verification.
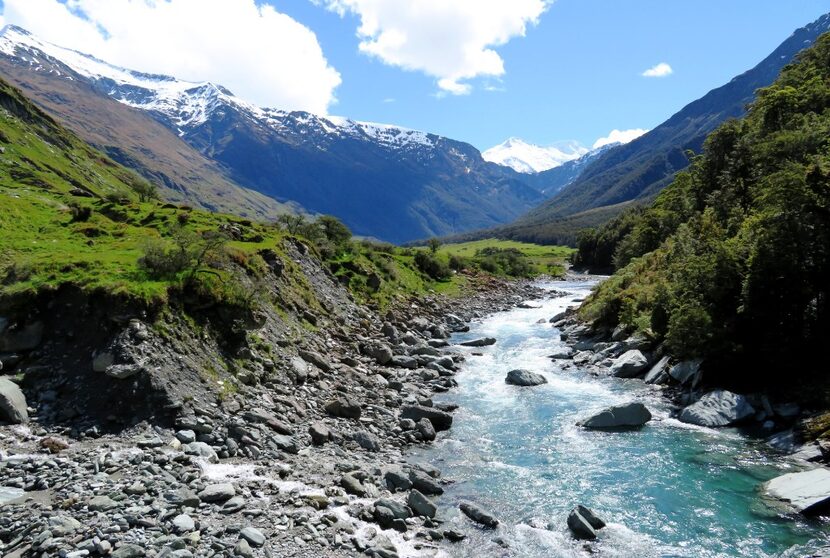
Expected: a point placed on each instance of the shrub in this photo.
(431, 266)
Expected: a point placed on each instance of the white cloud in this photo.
(660, 70)
(257, 52)
(450, 40)
(619, 136)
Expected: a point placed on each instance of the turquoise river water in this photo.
(667, 490)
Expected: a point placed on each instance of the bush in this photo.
(431, 266)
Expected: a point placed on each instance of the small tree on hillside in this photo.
(434, 244)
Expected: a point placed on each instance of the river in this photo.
(667, 490)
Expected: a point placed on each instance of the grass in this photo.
(544, 259)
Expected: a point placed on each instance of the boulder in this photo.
(320, 433)
(717, 408)
(253, 535)
(316, 359)
(524, 378)
(630, 364)
(479, 515)
(12, 403)
(658, 374)
(629, 415)
(403, 361)
(420, 504)
(580, 527)
(686, 372)
(483, 342)
(344, 407)
(424, 426)
(807, 492)
(217, 492)
(367, 441)
(399, 511)
(381, 353)
(440, 420)
(590, 517)
(424, 483)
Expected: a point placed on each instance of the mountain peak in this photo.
(528, 158)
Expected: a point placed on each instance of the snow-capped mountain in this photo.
(385, 181)
(528, 158)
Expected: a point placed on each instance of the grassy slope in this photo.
(545, 259)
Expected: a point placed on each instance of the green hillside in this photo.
(732, 261)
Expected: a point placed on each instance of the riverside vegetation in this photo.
(193, 383)
(731, 263)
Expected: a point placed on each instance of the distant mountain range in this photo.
(633, 173)
(210, 148)
(525, 157)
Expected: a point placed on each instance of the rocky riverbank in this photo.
(635, 357)
(162, 438)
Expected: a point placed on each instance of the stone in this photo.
(630, 364)
(590, 517)
(580, 527)
(629, 415)
(403, 361)
(62, 525)
(186, 436)
(524, 378)
(344, 407)
(123, 371)
(299, 369)
(423, 482)
(807, 492)
(483, 342)
(183, 523)
(658, 374)
(367, 441)
(22, 339)
(399, 510)
(316, 359)
(182, 497)
(420, 504)
(253, 535)
(717, 408)
(440, 420)
(478, 515)
(201, 449)
(102, 361)
(128, 551)
(427, 431)
(381, 353)
(13, 407)
(101, 504)
(352, 485)
(396, 480)
(243, 549)
(686, 372)
(320, 433)
(217, 492)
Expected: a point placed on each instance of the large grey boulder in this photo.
(629, 365)
(12, 403)
(808, 492)
(420, 504)
(440, 420)
(629, 415)
(686, 372)
(524, 378)
(344, 407)
(717, 408)
(580, 527)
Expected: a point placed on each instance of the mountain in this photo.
(382, 181)
(128, 135)
(635, 172)
(528, 158)
(553, 180)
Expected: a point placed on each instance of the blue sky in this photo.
(475, 70)
(577, 74)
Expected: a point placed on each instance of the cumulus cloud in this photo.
(619, 136)
(450, 40)
(660, 70)
(259, 53)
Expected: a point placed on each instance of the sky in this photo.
(480, 71)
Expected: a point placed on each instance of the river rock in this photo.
(629, 415)
(630, 364)
(483, 342)
(316, 359)
(658, 374)
(399, 510)
(183, 523)
(344, 407)
(592, 518)
(479, 515)
(580, 527)
(253, 535)
(524, 378)
(427, 431)
(426, 484)
(808, 492)
(686, 372)
(420, 504)
(128, 551)
(717, 408)
(320, 433)
(217, 492)
(440, 420)
(12, 403)
(367, 441)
